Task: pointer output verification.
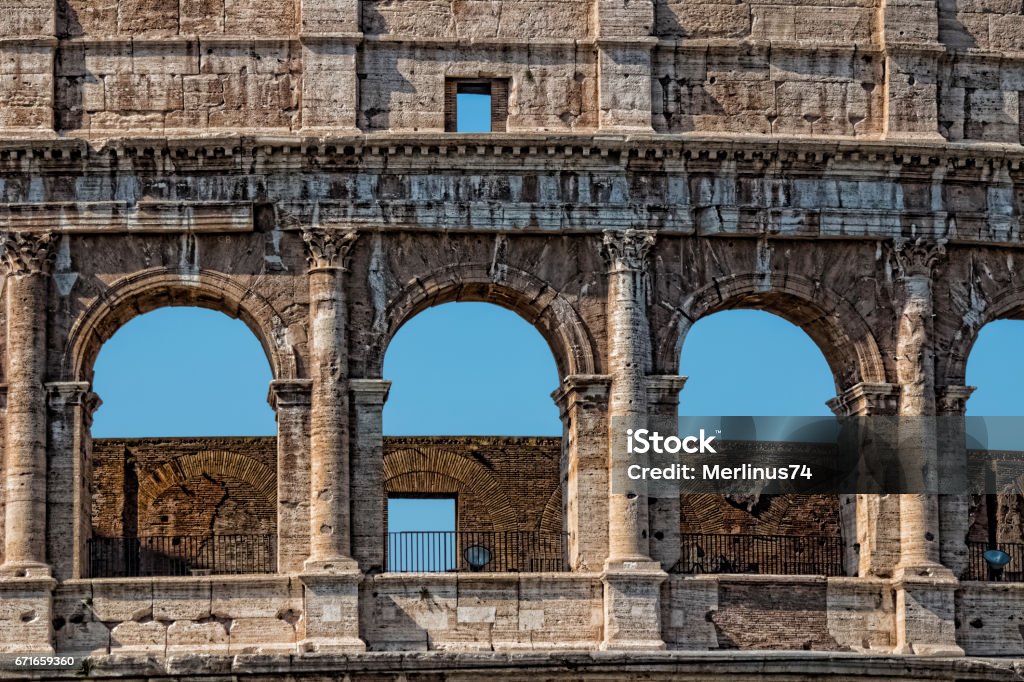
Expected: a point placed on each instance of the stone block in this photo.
(143, 93)
(988, 619)
(138, 637)
(27, 18)
(255, 597)
(147, 18)
(181, 599)
(331, 612)
(115, 601)
(207, 636)
(688, 605)
(861, 613)
(25, 615)
(632, 607)
(259, 17)
(176, 59)
(247, 635)
(201, 17)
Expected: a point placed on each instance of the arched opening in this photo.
(184, 458)
(757, 374)
(995, 430)
(471, 430)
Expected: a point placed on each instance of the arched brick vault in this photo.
(429, 469)
(832, 322)
(214, 462)
(148, 290)
(531, 298)
(781, 515)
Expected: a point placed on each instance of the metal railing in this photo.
(180, 555)
(761, 554)
(978, 568)
(444, 551)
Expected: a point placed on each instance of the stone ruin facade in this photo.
(853, 166)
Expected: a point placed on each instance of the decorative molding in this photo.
(327, 248)
(953, 399)
(866, 399)
(627, 250)
(28, 253)
(290, 393)
(919, 257)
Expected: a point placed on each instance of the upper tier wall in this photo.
(811, 68)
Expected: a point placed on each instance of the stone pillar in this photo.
(330, 516)
(368, 496)
(330, 43)
(28, 30)
(631, 578)
(625, 45)
(663, 513)
(954, 509)
(583, 404)
(924, 588)
(69, 475)
(27, 259)
(871, 523)
(291, 402)
(910, 38)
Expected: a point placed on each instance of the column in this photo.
(663, 513)
(582, 401)
(291, 402)
(915, 372)
(331, 579)
(69, 475)
(925, 612)
(632, 580)
(27, 260)
(330, 533)
(871, 523)
(954, 509)
(368, 495)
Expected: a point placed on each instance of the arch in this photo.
(1008, 304)
(543, 307)
(832, 322)
(707, 513)
(146, 291)
(223, 463)
(427, 465)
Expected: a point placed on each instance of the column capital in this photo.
(576, 387)
(28, 253)
(664, 386)
(918, 257)
(866, 399)
(369, 391)
(953, 399)
(63, 393)
(289, 392)
(626, 250)
(328, 248)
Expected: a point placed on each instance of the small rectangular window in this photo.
(421, 533)
(476, 105)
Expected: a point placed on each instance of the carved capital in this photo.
(327, 248)
(918, 257)
(289, 393)
(28, 253)
(627, 251)
(953, 399)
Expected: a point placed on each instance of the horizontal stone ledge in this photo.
(121, 217)
(554, 665)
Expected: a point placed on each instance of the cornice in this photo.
(234, 149)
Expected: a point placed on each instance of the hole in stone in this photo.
(911, 80)
(977, 623)
(77, 619)
(28, 616)
(631, 496)
(58, 623)
(659, 535)
(929, 537)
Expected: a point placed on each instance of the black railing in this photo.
(177, 555)
(978, 568)
(443, 551)
(761, 554)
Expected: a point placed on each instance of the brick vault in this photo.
(853, 166)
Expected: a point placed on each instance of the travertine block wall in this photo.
(478, 19)
(847, 22)
(488, 612)
(553, 86)
(988, 621)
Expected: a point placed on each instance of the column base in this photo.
(332, 611)
(331, 565)
(25, 569)
(26, 614)
(926, 611)
(632, 605)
